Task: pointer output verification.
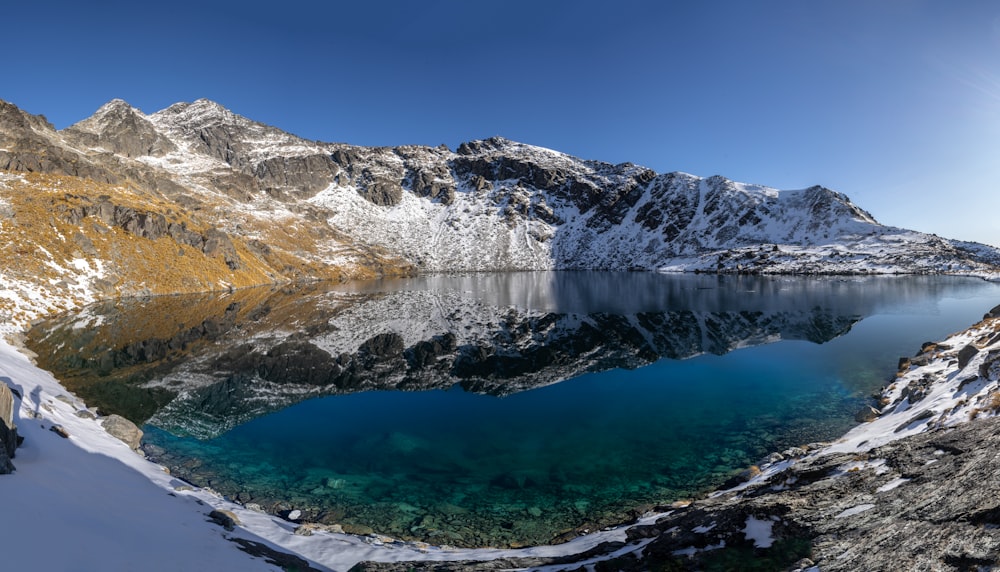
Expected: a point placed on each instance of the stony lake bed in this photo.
(496, 410)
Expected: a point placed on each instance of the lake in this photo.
(496, 409)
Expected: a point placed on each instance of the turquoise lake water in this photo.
(756, 365)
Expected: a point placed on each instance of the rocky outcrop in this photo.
(152, 225)
(9, 439)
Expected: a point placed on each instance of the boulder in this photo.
(994, 313)
(224, 518)
(9, 439)
(966, 354)
(866, 414)
(124, 430)
(60, 430)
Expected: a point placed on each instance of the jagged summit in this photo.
(14, 121)
(201, 112)
(119, 128)
(208, 128)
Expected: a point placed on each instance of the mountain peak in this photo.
(115, 104)
(119, 128)
(201, 112)
(113, 112)
(14, 120)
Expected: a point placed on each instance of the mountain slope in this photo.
(303, 209)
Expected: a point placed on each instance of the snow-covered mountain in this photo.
(489, 205)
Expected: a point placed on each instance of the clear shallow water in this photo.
(437, 462)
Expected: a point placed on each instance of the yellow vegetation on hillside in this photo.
(63, 264)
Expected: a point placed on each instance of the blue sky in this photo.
(895, 103)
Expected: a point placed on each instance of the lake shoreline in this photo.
(910, 489)
(365, 544)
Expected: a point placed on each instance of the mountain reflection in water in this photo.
(202, 364)
(212, 376)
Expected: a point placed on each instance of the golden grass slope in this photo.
(49, 264)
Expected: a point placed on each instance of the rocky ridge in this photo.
(308, 209)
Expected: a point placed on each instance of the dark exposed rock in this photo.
(9, 439)
(433, 184)
(218, 243)
(304, 176)
(382, 192)
(993, 313)
(60, 430)
(679, 216)
(990, 368)
(153, 226)
(966, 354)
(866, 414)
(224, 518)
(85, 244)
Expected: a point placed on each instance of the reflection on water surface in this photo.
(404, 406)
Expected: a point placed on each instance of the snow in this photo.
(703, 528)
(855, 510)
(892, 484)
(759, 531)
(540, 222)
(103, 506)
(107, 508)
(949, 400)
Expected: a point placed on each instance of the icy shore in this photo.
(106, 507)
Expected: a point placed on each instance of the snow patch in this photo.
(759, 531)
(892, 484)
(855, 510)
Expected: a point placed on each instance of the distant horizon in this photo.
(896, 104)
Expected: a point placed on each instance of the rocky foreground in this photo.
(916, 487)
